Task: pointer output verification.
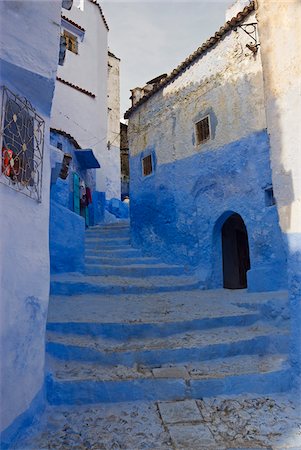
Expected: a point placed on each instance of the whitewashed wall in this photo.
(228, 80)
(28, 67)
(280, 37)
(113, 185)
(83, 117)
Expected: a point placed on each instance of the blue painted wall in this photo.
(29, 70)
(178, 211)
(67, 239)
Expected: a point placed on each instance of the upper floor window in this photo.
(202, 129)
(147, 165)
(22, 136)
(71, 42)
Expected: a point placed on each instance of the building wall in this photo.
(124, 160)
(280, 40)
(80, 115)
(67, 228)
(28, 70)
(113, 186)
(177, 212)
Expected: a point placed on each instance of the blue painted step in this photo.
(111, 261)
(138, 270)
(84, 383)
(176, 349)
(124, 232)
(115, 252)
(126, 331)
(107, 243)
(76, 284)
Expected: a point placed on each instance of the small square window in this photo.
(147, 165)
(59, 145)
(202, 129)
(71, 42)
(269, 197)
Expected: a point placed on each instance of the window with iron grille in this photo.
(71, 42)
(22, 143)
(147, 165)
(202, 130)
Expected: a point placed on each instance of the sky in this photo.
(152, 38)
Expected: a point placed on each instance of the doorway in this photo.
(236, 258)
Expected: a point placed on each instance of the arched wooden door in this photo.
(235, 247)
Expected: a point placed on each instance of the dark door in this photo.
(235, 247)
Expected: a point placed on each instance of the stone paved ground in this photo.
(213, 424)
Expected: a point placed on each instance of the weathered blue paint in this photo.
(180, 217)
(60, 193)
(261, 345)
(24, 420)
(70, 393)
(83, 286)
(124, 331)
(99, 202)
(294, 275)
(67, 239)
(118, 208)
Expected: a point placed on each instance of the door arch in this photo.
(235, 251)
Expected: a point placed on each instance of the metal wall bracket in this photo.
(251, 30)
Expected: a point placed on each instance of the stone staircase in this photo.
(132, 328)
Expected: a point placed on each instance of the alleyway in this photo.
(140, 357)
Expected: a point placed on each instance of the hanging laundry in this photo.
(89, 195)
(83, 194)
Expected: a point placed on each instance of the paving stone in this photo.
(171, 372)
(179, 412)
(192, 437)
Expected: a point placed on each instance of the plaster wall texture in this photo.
(67, 237)
(28, 70)
(113, 185)
(225, 83)
(280, 36)
(80, 115)
(178, 210)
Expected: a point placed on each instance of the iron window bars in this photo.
(203, 130)
(22, 142)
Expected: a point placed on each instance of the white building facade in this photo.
(80, 106)
(113, 185)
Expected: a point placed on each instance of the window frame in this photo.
(22, 145)
(73, 38)
(198, 142)
(152, 165)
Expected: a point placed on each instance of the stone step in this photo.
(124, 232)
(109, 227)
(160, 314)
(99, 243)
(69, 284)
(138, 270)
(115, 252)
(191, 346)
(111, 261)
(75, 383)
(125, 331)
